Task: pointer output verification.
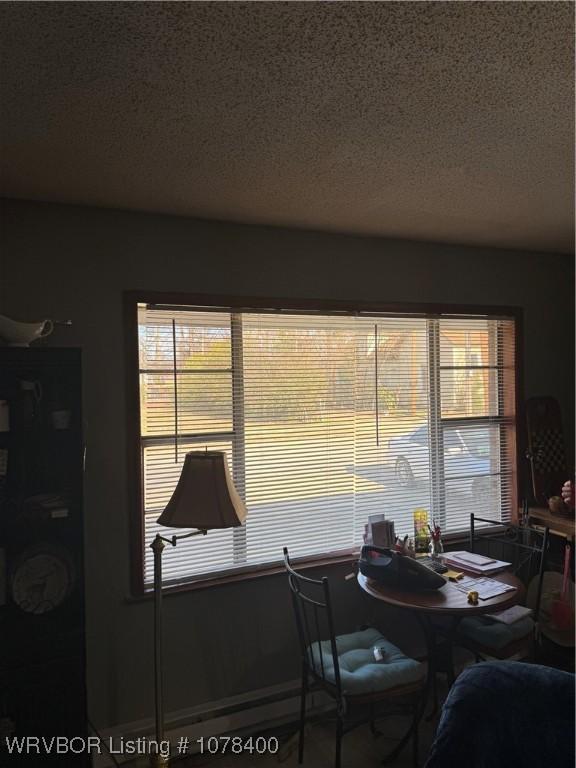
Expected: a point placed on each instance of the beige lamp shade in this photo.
(205, 496)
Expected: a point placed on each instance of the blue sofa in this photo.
(506, 714)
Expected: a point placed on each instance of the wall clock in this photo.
(42, 578)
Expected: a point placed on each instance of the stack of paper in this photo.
(486, 588)
(379, 531)
(473, 563)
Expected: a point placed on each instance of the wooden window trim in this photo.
(132, 298)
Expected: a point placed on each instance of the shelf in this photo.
(559, 524)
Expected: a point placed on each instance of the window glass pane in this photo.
(204, 403)
(328, 402)
(202, 339)
(469, 379)
(469, 392)
(197, 555)
(391, 383)
(481, 495)
(299, 431)
(470, 451)
(467, 342)
(162, 466)
(157, 406)
(476, 472)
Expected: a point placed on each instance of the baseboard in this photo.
(253, 712)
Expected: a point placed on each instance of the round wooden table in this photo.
(449, 603)
(446, 601)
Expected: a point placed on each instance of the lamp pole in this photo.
(157, 760)
(204, 498)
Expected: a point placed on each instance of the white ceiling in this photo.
(444, 121)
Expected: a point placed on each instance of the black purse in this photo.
(392, 569)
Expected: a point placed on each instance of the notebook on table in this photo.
(473, 563)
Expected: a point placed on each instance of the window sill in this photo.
(348, 557)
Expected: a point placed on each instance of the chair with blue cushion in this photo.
(346, 668)
(525, 548)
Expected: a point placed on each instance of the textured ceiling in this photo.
(445, 121)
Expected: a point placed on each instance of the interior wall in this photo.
(70, 262)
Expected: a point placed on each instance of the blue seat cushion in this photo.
(494, 634)
(360, 673)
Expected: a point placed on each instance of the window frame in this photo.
(242, 303)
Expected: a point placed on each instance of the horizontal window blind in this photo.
(325, 420)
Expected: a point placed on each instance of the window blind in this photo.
(325, 420)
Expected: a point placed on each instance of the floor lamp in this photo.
(204, 498)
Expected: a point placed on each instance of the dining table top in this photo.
(447, 600)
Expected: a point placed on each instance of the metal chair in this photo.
(526, 549)
(345, 668)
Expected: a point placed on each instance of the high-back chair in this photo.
(525, 548)
(345, 666)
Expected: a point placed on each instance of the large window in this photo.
(325, 419)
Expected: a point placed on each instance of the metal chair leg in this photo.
(415, 735)
(435, 707)
(373, 730)
(303, 693)
(339, 732)
(402, 743)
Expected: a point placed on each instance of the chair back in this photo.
(315, 624)
(526, 548)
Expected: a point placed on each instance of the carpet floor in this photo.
(359, 748)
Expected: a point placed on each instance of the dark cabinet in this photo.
(42, 627)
